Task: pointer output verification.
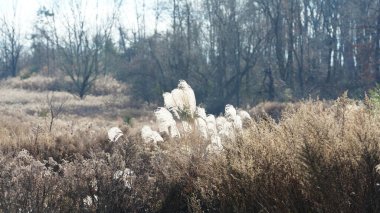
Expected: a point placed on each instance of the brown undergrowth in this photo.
(317, 158)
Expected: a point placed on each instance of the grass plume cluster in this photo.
(316, 157)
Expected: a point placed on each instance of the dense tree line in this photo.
(233, 51)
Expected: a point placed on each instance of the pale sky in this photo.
(25, 12)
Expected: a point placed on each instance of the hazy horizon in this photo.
(24, 13)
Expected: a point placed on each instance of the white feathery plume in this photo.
(166, 123)
(150, 136)
(114, 134)
(174, 133)
(201, 113)
(170, 104)
(200, 122)
(190, 101)
(126, 176)
(179, 98)
(168, 100)
(184, 98)
(238, 124)
(224, 127)
(186, 127)
(181, 104)
(220, 123)
(215, 139)
(215, 146)
(201, 127)
(164, 119)
(229, 112)
(244, 115)
(211, 125)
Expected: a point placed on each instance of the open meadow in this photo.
(315, 157)
(190, 106)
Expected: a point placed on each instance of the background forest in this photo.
(231, 51)
(305, 144)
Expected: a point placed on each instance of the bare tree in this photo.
(232, 51)
(43, 46)
(56, 107)
(10, 47)
(80, 42)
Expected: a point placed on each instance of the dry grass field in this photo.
(314, 157)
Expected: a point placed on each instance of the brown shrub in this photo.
(317, 158)
(271, 109)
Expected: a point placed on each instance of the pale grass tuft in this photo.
(244, 115)
(170, 104)
(201, 127)
(201, 112)
(166, 123)
(114, 134)
(186, 127)
(181, 100)
(150, 136)
(190, 100)
(224, 127)
(230, 112)
(211, 125)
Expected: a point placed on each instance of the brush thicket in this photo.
(316, 158)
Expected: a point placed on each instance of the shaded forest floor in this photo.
(317, 157)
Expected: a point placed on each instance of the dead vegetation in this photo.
(318, 157)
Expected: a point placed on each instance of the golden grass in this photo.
(104, 85)
(315, 157)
